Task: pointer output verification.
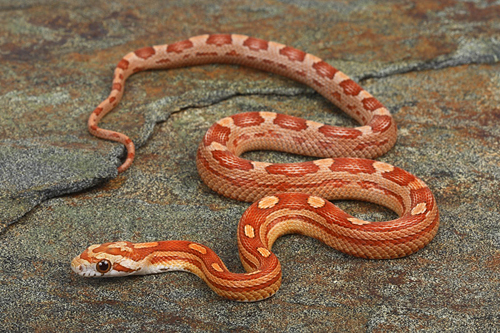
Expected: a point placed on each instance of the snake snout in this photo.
(78, 266)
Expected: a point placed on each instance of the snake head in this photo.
(106, 260)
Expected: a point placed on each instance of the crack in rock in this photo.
(473, 51)
(161, 109)
(32, 172)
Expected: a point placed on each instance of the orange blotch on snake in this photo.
(206, 54)
(117, 86)
(371, 104)
(180, 46)
(290, 122)
(353, 166)
(198, 248)
(121, 268)
(350, 87)
(381, 124)
(247, 119)
(145, 52)
(399, 176)
(256, 44)
(97, 111)
(368, 185)
(85, 256)
(163, 61)
(230, 161)
(123, 64)
(293, 54)
(217, 133)
(324, 69)
(240, 139)
(219, 40)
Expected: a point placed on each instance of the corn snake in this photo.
(288, 198)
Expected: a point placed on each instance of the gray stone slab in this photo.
(433, 64)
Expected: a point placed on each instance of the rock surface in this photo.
(434, 64)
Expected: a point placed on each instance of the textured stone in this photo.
(434, 64)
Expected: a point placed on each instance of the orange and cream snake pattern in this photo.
(288, 198)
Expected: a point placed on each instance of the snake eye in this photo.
(103, 266)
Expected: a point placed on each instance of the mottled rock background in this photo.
(434, 64)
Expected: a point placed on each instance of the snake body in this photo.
(288, 198)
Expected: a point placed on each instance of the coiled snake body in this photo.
(288, 198)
